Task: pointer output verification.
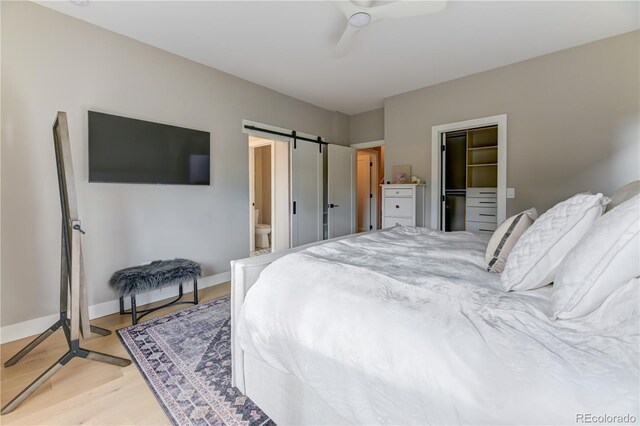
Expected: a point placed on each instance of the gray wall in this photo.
(367, 126)
(52, 62)
(573, 120)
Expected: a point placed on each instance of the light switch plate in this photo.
(511, 193)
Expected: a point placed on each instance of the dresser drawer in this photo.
(482, 214)
(482, 192)
(479, 227)
(388, 222)
(398, 207)
(482, 202)
(398, 192)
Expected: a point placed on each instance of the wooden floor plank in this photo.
(83, 391)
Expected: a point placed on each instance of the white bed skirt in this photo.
(285, 399)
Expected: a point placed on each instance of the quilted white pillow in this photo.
(606, 258)
(537, 254)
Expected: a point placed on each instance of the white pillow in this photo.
(505, 237)
(606, 258)
(538, 253)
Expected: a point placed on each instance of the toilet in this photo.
(262, 233)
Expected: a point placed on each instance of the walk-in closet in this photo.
(470, 179)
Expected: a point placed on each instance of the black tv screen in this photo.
(127, 150)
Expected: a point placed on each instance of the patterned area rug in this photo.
(185, 358)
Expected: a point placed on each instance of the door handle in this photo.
(333, 205)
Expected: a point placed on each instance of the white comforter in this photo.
(405, 326)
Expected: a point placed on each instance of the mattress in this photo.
(405, 326)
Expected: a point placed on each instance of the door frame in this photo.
(252, 169)
(436, 143)
(371, 144)
(378, 212)
(374, 159)
(280, 184)
(281, 153)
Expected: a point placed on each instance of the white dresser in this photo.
(403, 204)
(481, 210)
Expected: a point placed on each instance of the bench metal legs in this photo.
(137, 314)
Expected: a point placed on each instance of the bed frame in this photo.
(283, 397)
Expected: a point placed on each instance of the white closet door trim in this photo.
(364, 145)
(437, 131)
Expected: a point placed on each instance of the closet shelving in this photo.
(471, 176)
(482, 157)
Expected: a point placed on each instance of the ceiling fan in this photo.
(361, 13)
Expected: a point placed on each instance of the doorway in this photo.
(268, 195)
(260, 199)
(370, 175)
(313, 188)
(468, 175)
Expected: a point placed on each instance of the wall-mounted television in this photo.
(127, 150)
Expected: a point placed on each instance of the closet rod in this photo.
(289, 135)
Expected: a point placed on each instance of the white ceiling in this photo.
(287, 45)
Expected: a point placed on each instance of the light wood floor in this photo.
(85, 392)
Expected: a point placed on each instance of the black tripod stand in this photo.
(74, 309)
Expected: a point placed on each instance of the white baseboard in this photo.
(35, 326)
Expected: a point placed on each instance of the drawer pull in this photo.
(481, 192)
(485, 214)
(486, 202)
(397, 192)
(397, 206)
(485, 230)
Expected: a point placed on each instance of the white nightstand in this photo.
(403, 204)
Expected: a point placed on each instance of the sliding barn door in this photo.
(341, 187)
(306, 193)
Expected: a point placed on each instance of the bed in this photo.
(405, 326)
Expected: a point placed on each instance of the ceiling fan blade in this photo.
(347, 7)
(345, 42)
(363, 3)
(406, 9)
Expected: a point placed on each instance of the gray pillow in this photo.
(623, 194)
(505, 237)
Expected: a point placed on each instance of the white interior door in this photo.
(363, 192)
(306, 193)
(341, 188)
(280, 196)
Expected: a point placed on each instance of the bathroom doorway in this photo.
(260, 183)
(268, 195)
(370, 175)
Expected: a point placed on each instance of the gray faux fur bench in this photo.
(153, 276)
